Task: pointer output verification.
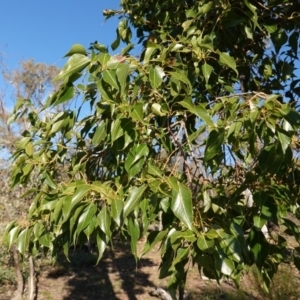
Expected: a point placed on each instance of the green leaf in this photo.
(259, 247)
(21, 144)
(85, 217)
(76, 49)
(213, 145)
(181, 205)
(45, 240)
(136, 153)
(57, 212)
(12, 235)
(122, 75)
(206, 201)
(206, 70)
(191, 13)
(134, 232)
(206, 7)
(88, 231)
(60, 121)
(115, 44)
(29, 149)
(80, 193)
(105, 191)
(271, 28)
(231, 247)
(198, 110)
(23, 240)
(101, 246)
(204, 244)
(248, 31)
(259, 221)
(99, 135)
(153, 170)
(156, 76)
(103, 58)
(75, 64)
(224, 264)
(284, 139)
(127, 49)
(287, 71)
(135, 159)
(181, 254)
(181, 76)
(156, 109)
(134, 195)
(117, 211)
(226, 59)
(116, 130)
(137, 113)
(153, 238)
(104, 221)
(110, 77)
(291, 115)
(65, 95)
(66, 208)
(151, 47)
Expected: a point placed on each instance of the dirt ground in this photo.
(117, 277)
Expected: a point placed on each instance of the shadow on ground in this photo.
(116, 277)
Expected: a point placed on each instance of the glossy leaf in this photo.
(122, 73)
(181, 76)
(198, 110)
(181, 205)
(81, 191)
(12, 235)
(117, 211)
(23, 240)
(284, 139)
(76, 63)
(153, 238)
(100, 134)
(226, 59)
(151, 47)
(85, 217)
(110, 77)
(134, 196)
(101, 246)
(76, 49)
(134, 232)
(156, 76)
(204, 244)
(104, 220)
(206, 70)
(214, 143)
(224, 264)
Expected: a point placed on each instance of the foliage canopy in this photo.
(200, 116)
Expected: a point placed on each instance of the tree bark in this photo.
(31, 280)
(20, 281)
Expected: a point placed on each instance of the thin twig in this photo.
(255, 94)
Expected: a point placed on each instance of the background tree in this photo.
(184, 129)
(26, 82)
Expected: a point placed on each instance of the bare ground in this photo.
(117, 277)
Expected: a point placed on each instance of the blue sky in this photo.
(46, 29)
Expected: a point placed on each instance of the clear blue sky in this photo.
(46, 29)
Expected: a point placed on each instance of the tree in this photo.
(183, 129)
(27, 81)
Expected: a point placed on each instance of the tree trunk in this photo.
(19, 277)
(31, 280)
(20, 281)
